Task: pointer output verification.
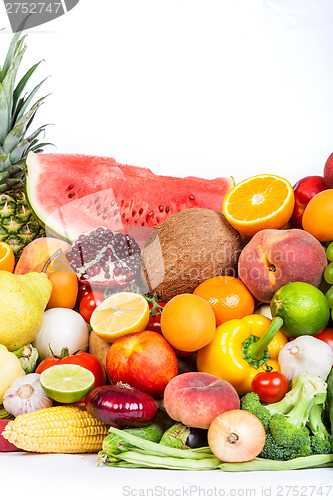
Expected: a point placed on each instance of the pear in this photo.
(23, 299)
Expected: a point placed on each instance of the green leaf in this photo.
(4, 122)
(21, 85)
(41, 145)
(4, 162)
(9, 80)
(10, 55)
(27, 101)
(17, 133)
(22, 148)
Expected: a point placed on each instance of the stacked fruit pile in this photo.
(164, 322)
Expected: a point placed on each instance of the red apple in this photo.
(144, 360)
(328, 172)
(305, 189)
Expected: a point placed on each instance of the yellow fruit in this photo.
(120, 314)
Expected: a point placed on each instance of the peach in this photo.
(196, 398)
(37, 252)
(275, 257)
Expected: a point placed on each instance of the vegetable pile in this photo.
(144, 319)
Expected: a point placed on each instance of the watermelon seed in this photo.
(140, 211)
(192, 197)
(99, 212)
(96, 199)
(161, 208)
(167, 209)
(71, 195)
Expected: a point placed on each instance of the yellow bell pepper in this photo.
(10, 369)
(241, 348)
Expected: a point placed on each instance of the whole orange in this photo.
(228, 297)
(318, 216)
(188, 322)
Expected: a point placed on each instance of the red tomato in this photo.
(82, 358)
(326, 336)
(271, 387)
(154, 323)
(89, 303)
(82, 292)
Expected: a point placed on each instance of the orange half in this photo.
(260, 202)
(7, 257)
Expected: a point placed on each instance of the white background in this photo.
(187, 87)
(184, 87)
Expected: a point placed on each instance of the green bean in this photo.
(262, 464)
(160, 449)
(164, 462)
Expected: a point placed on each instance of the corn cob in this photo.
(59, 429)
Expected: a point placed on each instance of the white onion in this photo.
(61, 328)
(236, 436)
(306, 353)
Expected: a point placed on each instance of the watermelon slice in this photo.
(72, 194)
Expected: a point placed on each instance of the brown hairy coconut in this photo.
(188, 248)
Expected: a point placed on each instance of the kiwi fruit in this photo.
(188, 248)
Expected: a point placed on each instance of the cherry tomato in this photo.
(82, 292)
(155, 311)
(89, 303)
(326, 336)
(81, 358)
(271, 387)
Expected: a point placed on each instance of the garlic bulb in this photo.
(306, 353)
(25, 395)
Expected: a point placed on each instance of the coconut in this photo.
(188, 248)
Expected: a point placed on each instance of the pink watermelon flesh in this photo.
(72, 194)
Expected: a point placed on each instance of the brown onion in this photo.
(236, 436)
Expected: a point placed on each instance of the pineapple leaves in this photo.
(3, 114)
(8, 81)
(21, 85)
(16, 134)
(4, 162)
(10, 55)
(24, 146)
(24, 103)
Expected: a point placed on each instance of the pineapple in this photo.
(18, 227)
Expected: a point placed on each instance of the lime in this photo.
(303, 308)
(66, 383)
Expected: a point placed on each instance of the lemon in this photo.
(66, 383)
(120, 314)
(303, 308)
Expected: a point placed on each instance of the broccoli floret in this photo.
(320, 445)
(251, 403)
(288, 434)
(272, 450)
(288, 423)
(320, 440)
(304, 451)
